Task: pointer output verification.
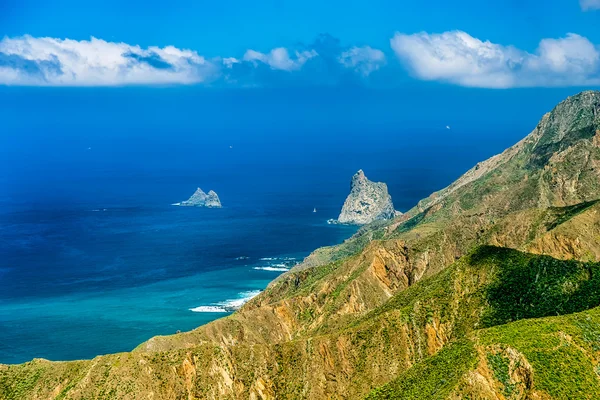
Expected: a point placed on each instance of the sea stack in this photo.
(367, 202)
(201, 199)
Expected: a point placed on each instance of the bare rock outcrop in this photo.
(201, 199)
(367, 202)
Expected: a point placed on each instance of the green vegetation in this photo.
(529, 286)
(511, 285)
(411, 223)
(563, 362)
(500, 366)
(559, 349)
(17, 386)
(563, 214)
(434, 378)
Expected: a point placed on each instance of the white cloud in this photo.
(229, 62)
(363, 60)
(47, 61)
(459, 58)
(572, 60)
(280, 59)
(454, 57)
(589, 4)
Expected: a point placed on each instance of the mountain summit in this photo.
(368, 201)
(555, 165)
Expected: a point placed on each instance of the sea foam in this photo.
(215, 309)
(229, 305)
(277, 264)
(274, 268)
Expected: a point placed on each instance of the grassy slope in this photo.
(560, 354)
(526, 290)
(410, 328)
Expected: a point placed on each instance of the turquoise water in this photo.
(88, 280)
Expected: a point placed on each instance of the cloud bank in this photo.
(458, 58)
(280, 59)
(46, 61)
(587, 5)
(30, 61)
(363, 60)
(453, 57)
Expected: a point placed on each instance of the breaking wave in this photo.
(229, 305)
(273, 268)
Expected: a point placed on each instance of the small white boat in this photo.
(314, 210)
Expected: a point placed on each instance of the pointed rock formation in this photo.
(368, 201)
(201, 199)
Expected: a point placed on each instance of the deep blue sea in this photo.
(95, 259)
(97, 277)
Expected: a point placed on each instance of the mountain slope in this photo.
(412, 326)
(546, 358)
(555, 165)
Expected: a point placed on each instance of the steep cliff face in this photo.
(419, 306)
(201, 199)
(367, 202)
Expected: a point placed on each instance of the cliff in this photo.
(367, 202)
(487, 289)
(201, 199)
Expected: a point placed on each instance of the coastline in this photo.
(189, 303)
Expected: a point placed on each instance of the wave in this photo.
(278, 258)
(237, 303)
(215, 309)
(274, 268)
(277, 264)
(230, 305)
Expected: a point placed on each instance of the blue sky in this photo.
(237, 43)
(231, 27)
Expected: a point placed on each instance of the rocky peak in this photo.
(359, 179)
(574, 119)
(557, 164)
(201, 199)
(368, 201)
(212, 199)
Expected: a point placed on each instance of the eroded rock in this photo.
(201, 199)
(367, 202)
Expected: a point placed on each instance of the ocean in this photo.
(90, 279)
(94, 259)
